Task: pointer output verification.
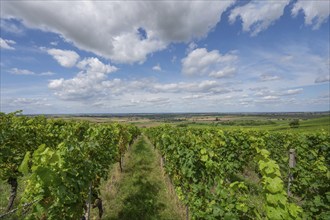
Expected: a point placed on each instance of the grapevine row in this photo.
(58, 161)
(243, 174)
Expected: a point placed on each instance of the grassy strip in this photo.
(140, 191)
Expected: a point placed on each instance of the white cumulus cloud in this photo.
(315, 12)
(226, 71)
(66, 58)
(270, 97)
(114, 29)
(7, 44)
(88, 83)
(212, 63)
(54, 43)
(92, 64)
(258, 15)
(157, 68)
(293, 91)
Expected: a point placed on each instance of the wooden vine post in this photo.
(89, 203)
(292, 164)
(162, 161)
(121, 162)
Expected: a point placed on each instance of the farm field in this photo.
(308, 122)
(305, 125)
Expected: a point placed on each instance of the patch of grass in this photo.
(4, 189)
(139, 192)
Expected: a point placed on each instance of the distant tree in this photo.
(294, 123)
(217, 119)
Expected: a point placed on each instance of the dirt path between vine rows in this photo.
(141, 191)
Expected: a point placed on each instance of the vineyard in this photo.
(61, 163)
(234, 174)
(245, 174)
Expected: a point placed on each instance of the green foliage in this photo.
(277, 205)
(294, 123)
(203, 162)
(59, 160)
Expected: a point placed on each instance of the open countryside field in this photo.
(308, 122)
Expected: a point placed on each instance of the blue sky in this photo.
(164, 56)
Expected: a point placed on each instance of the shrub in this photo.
(294, 123)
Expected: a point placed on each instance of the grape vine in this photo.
(242, 174)
(59, 160)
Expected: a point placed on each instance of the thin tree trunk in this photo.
(13, 192)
